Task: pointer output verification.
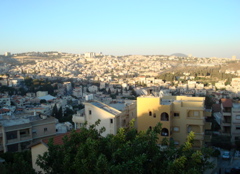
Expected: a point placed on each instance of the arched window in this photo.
(150, 127)
(150, 113)
(154, 115)
(164, 132)
(164, 117)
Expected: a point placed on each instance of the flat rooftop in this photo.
(106, 108)
(18, 120)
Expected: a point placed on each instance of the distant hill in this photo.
(179, 55)
(9, 60)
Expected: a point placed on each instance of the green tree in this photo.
(59, 113)
(43, 101)
(128, 151)
(16, 163)
(54, 111)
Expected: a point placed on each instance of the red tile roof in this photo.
(58, 139)
(226, 102)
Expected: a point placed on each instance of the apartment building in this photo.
(226, 116)
(229, 119)
(95, 110)
(235, 123)
(128, 113)
(178, 115)
(17, 133)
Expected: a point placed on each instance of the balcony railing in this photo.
(78, 119)
(12, 140)
(199, 136)
(207, 125)
(227, 113)
(25, 138)
(226, 123)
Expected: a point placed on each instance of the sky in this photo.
(206, 28)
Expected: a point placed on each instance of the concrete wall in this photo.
(36, 150)
(104, 116)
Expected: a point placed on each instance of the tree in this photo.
(42, 101)
(54, 111)
(59, 113)
(18, 162)
(128, 151)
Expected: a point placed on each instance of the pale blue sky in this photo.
(202, 28)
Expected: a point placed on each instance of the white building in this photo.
(95, 110)
(90, 55)
(77, 91)
(7, 54)
(41, 93)
(68, 86)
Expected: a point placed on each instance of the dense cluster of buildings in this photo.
(179, 107)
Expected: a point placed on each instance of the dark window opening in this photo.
(164, 132)
(11, 135)
(176, 114)
(164, 117)
(150, 113)
(111, 120)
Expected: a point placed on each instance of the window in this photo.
(150, 113)
(24, 133)
(11, 135)
(164, 116)
(90, 112)
(34, 131)
(176, 129)
(175, 114)
(154, 115)
(237, 127)
(238, 117)
(196, 113)
(45, 129)
(150, 127)
(111, 120)
(164, 132)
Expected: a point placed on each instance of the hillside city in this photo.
(47, 94)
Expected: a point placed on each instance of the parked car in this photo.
(226, 155)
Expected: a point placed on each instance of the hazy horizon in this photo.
(200, 28)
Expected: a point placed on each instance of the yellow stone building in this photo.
(178, 115)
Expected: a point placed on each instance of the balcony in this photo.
(26, 137)
(226, 134)
(12, 140)
(208, 113)
(226, 123)
(207, 125)
(78, 119)
(198, 136)
(227, 114)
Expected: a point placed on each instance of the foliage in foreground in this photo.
(18, 162)
(127, 152)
